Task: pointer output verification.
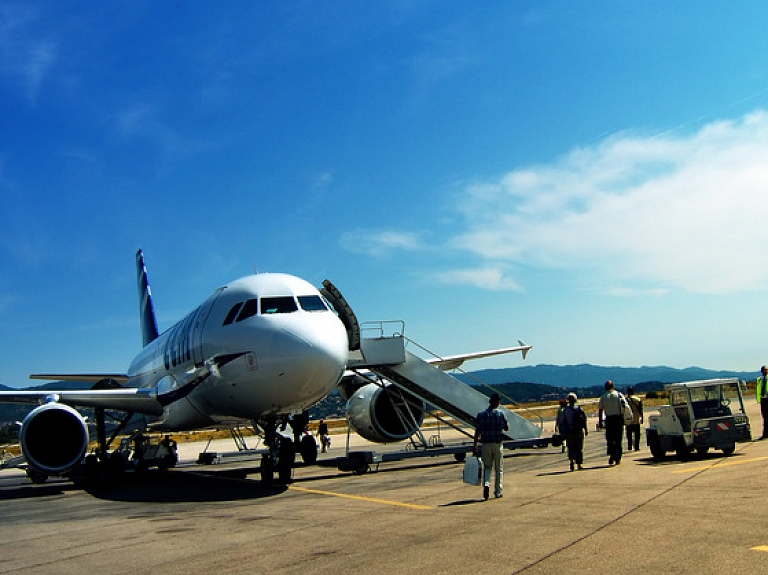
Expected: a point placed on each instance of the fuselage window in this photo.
(250, 309)
(312, 303)
(232, 313)
(283, 304)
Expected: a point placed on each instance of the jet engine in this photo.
(384, 413)
(54, 438)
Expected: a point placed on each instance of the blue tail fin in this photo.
(147, 317)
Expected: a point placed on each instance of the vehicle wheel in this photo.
(167, 462)
(702, 450)
(654, 443)
(683, 451)
(308, 449)
(115, 465)
(36, 476)
(460, 457)
(729, 450)
(92, 469)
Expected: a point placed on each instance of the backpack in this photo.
(582, 418)
(626, 410)
(578, 419)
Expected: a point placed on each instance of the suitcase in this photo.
(473, 470)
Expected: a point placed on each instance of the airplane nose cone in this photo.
(313, 356)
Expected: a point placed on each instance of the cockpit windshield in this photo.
(312, 303)
(274, 305)
(282, 304)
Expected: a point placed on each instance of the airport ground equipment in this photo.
(700, 415)
(144, 451)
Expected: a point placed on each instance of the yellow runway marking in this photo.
(360, 498)
(719, 464)
(761, 548)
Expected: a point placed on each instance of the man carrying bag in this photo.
(490, 426)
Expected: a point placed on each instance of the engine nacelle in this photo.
(384, 414)
(54, 438)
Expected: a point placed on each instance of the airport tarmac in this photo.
(704, 515)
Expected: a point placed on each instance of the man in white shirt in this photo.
(610, 405)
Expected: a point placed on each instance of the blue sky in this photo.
(589, 177)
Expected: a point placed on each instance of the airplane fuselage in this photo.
(288, 351)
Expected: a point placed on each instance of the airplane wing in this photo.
(453, 361)
(108, 393)
(87, 377)
(123, 399)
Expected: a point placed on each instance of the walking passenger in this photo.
(610, 405)
(633, 429)
(574, 427)
(490, 427)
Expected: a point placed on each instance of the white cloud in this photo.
(490, 278)
(23, 56)
(646, 214)
(380, 242)
(140, 121)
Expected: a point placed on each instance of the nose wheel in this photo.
(281, 456)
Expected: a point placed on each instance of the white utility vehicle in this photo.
(700, 415)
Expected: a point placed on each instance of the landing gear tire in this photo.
(308, 450)
(285, 460)
(267, 468)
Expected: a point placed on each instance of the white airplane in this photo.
(260, 349)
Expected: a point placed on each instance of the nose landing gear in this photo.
(281, 456)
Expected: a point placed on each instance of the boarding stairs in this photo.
(386, 356)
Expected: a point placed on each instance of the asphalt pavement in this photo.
(700, 516)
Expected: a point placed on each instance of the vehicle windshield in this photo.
(716, 400)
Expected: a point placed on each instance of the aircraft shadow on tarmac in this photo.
(186, 487)
(154, 487)
(30, 491)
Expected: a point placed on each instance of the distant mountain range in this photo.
(586, 375)
(522, 384)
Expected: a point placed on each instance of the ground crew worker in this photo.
(761, 390)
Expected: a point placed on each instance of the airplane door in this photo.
(199, 326)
